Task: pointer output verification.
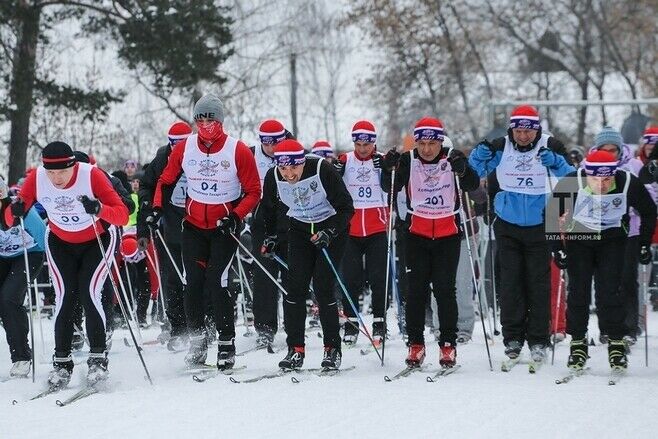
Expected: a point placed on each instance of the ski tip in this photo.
(429, 379)
(387, 379)
(14, 402)
(233, 380)
(294, 380)
(59, 403)
(197, 379)
(270, 349)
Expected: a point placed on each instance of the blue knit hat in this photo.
(608, 136)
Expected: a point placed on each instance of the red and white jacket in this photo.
(63, 206)
(362, 180)
(221, 178)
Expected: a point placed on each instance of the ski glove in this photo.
(458, 163)
(323, 238)
(18, 208)
(391, 160)
(560, 258)
(377, 161)
(484, 150)
(229, 225)
(268, 248)
(92, 207)
(548, 158)
(142, 244)
(645, 255)
(153, 218)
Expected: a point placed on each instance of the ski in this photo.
(405, 372)
(444, 371)
(534, 366)
(49, 390)
(572, 374)
(508, 365)
(323, 372)
(369, 349)
(5, 379)
(87, 390)
(205, 375)
(615, 376)
(198, 369)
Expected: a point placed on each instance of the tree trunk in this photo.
(22, 87)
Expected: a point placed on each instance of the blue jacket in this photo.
(35, 227)
(520, 209)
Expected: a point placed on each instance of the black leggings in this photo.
(207, 256)
(12, 296)
(306, 262)
(78, 272)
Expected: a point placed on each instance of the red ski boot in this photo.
(416, 355)
(447, 355)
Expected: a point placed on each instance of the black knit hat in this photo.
(57, 155)
(81, 156)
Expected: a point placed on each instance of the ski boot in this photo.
(294, 359)
(378, 331)
(617, 355)
(198, 351)
(538, 353)
(97, 363)
(176, 343)
(20, 369)
(463, 338)
(78, 341)
(578, 355)
(61, 373)
(447, 355)
(513, 349)
(351, 331)
(225, 354)
(416, 355)
(332, 358)
(265, 337)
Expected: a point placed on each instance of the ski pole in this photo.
(394, 285)
(171, 257)
(557, 313)
(156, 264)
(388, 259)
(246, 250)
(349, 299)
(492, 267)
(470, 257)
(284, 265)
(129, 303)
(243, 279)
(646, 315)
(116, 291)
(38, 311)
(29, 295)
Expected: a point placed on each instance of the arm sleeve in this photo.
(112, 208)
(338, 196)
(640, 199)
(36, 228)
(170, 173)
(28, 194)
(269, 203)
(562, 167)
(249, 180)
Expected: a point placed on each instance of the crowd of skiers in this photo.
(325, 228)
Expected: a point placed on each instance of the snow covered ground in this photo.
(472, 403)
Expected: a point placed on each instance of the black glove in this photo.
(458, 162)
(153, 218)
(18, 208)
(229, 224)
(92, 207)
(560, 258)
(377, 161)
(268, 248)
(391, 160)
(645, 255)
(323, 238)
(142, 243)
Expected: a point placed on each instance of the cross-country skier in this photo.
(13, 285)
(523, 164)
(71, 193)
(429, 173)
(173, 212)
(322, 148)
(592, 245)
(222, 188)
(320, 208)
(361, 172)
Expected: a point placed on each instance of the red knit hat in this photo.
(178, 131)
(322, 148)
(128, 247)
(429, 128)
(271, 132)
(364, 131)
(289, 152)
(525, 117)
(650, 135)
(600, 163)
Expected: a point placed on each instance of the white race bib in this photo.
(363, 183)
(307, 199)
(600, 212)
(431, 189)
(522, 172)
